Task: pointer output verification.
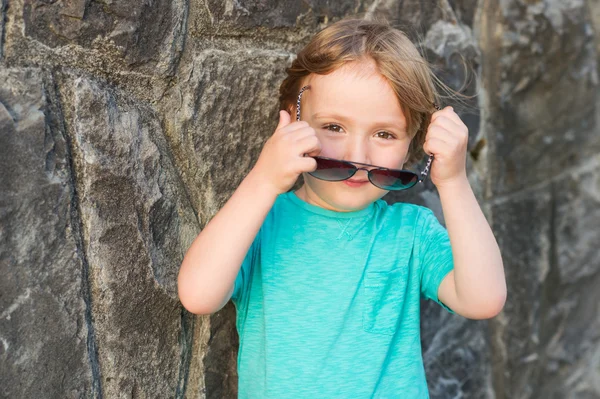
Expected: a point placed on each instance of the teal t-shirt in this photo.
(328, 302)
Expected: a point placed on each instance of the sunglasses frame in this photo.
(374, 167)
(421, 177)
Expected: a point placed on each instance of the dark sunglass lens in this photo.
(332, 170)
(393, 179)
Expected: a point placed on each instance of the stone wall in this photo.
(125, 126)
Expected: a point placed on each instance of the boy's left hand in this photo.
(447, 138)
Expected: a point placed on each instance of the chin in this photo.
(344, 198)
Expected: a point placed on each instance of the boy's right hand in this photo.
(282, 158)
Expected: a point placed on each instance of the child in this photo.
(327, 280)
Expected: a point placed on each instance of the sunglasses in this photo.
(330, 169)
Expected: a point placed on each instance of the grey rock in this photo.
(544, 83)
(147, 34)
(46, 336)
(571, 326)
(526, 250)
(3, 7)
(221, 112)
(220, 361)
(137, 225)
(456, 354)
(542, 129)
(577, 220)
(551, 340)
(232, 16)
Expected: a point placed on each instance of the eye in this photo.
(385, 135)
(333, 128)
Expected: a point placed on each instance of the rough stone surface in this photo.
(545, 91)
(552, 340)
(280, 20)
(525, 249)
(3, 6)
(137, 224)
(45, 330)
(125, 126)
(221, 98)
(148, 34)
(543, 134)
(276, 14)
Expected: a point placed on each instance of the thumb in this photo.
(284, 119)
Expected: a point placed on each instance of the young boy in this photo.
(327, 279)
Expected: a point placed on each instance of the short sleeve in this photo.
(243, 277)
(435, 256)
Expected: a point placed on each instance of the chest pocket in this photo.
(384, 294)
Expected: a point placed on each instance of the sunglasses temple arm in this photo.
(298, 101)
(425, 171)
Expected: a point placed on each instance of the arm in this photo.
(207, 275)
(211, 264)
(476, 288)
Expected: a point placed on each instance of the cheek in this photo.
(391, 158)
(316, 185)
(375, 193)
(330, 147)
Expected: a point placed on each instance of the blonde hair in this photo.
(396, 57)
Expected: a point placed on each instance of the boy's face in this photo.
(357, 118)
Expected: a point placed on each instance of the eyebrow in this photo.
(394, 123)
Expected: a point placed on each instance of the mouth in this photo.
(355, 183)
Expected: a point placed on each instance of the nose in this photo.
(357, 150)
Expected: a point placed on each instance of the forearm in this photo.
(212, 262)
(478, 270)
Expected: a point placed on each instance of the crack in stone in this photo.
(3, 8)
(51, 91)
(185, 344)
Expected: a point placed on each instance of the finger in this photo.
(307, 164)
(441, 131)
(293, 127)
(448, 112)
(435, 115)
(438, 131)
(449, 124)
(284, 119)
(303, 132)
(309, 145)
(455, 139)
(452, 115)
(434, 146)
(442, 112)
